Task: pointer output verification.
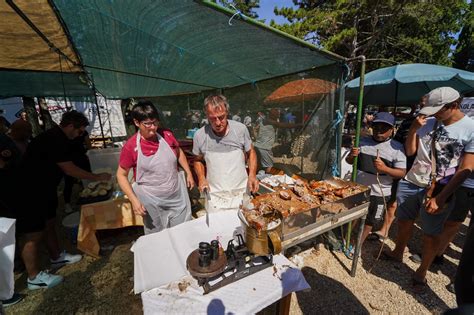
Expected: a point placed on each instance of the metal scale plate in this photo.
(235, 263)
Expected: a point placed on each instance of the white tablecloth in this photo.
(7, 256)
(160, 264)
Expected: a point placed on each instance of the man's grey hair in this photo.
(216, 101)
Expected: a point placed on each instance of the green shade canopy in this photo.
(38, 83)
(134, 48)
(156, 48)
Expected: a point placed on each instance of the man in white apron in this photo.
(224, 146)
(159, 193)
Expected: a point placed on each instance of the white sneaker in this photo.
(67, 208)
(65, 259)
(44, 280)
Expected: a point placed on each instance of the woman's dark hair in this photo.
(75, 118)
(144, 110)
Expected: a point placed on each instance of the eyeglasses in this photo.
(149, 124)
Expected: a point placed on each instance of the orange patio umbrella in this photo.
(300, 91)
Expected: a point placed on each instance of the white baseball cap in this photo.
(437, 98)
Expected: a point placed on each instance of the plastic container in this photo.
(104, 159)
(190, 133)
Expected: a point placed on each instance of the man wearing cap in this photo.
(442, 138)
(380, 160)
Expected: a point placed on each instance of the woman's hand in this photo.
(138, 208)
(190, 181)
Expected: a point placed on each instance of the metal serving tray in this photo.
(299, 223)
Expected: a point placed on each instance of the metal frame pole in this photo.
(357, 135)
(98, 111)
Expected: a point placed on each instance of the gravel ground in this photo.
(385, 289)
(105, 285)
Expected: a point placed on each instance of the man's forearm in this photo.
(411, 142)
(252, 162)
(199, 168)
(72, 170)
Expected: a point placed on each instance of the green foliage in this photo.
(247, 7)
(464, 56)
(404, 31)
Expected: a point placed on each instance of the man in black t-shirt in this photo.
(78, 149)
(46, 160)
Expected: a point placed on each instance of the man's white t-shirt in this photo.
(451, 142)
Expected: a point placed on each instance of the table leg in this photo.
(355, 259)
(284, 305)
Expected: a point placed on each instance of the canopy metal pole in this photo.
(108, 117)
(98, 111)
(357, 135)
(100, 119)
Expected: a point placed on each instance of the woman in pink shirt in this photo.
(159, 192)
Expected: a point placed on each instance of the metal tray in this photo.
(303, 221)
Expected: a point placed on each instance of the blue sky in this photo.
(266, 10)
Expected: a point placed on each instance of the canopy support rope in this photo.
(149, 76)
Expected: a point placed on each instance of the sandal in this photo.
(419, 286)
(350, 253)
(388, 257)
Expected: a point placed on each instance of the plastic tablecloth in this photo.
(7, 256)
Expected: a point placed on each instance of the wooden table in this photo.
(104, 215)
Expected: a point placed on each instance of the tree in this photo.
(404, 30)
(246, 7)
(464, 56)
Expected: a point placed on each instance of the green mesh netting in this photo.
(312, 151)
(157, 48)
(41, 83)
